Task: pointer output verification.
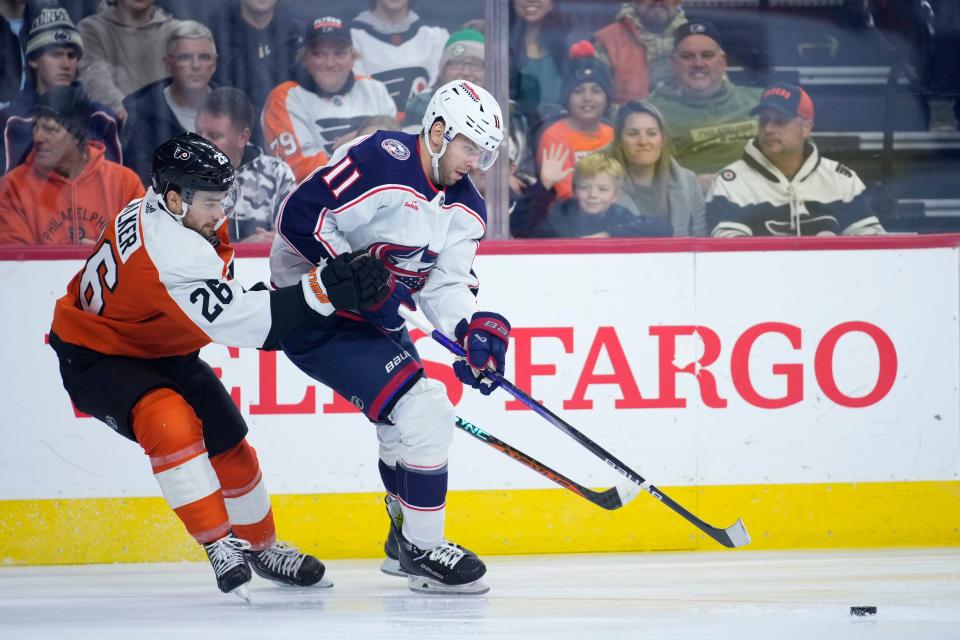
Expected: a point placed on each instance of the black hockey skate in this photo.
(391, 548)
(284, 564)
(230, 565)
(444, 569)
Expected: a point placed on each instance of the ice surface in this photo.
(645, 596)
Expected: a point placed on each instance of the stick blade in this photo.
(733, 536)
(627, 492)
(614, 497)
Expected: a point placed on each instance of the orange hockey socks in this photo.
(171, 435)
(245, 495)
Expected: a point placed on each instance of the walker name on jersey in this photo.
(127, 227)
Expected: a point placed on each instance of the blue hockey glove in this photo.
(485, 339)
(386, 315)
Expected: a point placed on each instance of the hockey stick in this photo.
(731, 537)
(612, 498)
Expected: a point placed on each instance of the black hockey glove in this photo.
(369, 278)
(350, 281)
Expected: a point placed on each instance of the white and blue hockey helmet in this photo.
(467, 109)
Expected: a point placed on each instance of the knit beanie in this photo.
(467, 43)
(697, 27)
(585, 67)
(69, 106)
(52, 28)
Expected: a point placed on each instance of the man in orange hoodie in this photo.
(67, 190)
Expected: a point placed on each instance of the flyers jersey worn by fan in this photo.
(154, 288)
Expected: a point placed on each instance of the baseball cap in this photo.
(788, 99)
(326, 27)
(52, 28)
(697, 27)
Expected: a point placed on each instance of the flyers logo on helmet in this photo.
(181, 154)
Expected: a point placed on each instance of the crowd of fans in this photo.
(632, 129)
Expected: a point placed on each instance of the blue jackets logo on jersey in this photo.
(409, 265)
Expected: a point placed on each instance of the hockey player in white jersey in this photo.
(406, 199)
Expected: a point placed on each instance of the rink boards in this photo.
(809, 388)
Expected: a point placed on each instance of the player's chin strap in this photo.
(162, 203)
(435, 157)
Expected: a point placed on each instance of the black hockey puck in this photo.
(863, 611)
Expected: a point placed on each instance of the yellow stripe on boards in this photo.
(354, 525)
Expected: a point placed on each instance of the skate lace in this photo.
(447, 554)
(282, 558)
(226, 553)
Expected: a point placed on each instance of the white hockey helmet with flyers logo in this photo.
(466, 109)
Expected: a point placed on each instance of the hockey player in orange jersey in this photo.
(159, 286)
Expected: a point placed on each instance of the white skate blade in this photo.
(420, 584)
(323, 584)
(243, 593)
(391, 567)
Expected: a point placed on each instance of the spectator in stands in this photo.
(124, 45)
(655, 185)
(707, 115)
(397, 48)
(11, 51)
(462, 59)
(226, 118)
(53, 49)
(306, 118)
(168, 107)
(638, 46)
(593, 212)
(258, 47)
(587, 94)
(782, 186)
(67, 190)
(537, 53)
